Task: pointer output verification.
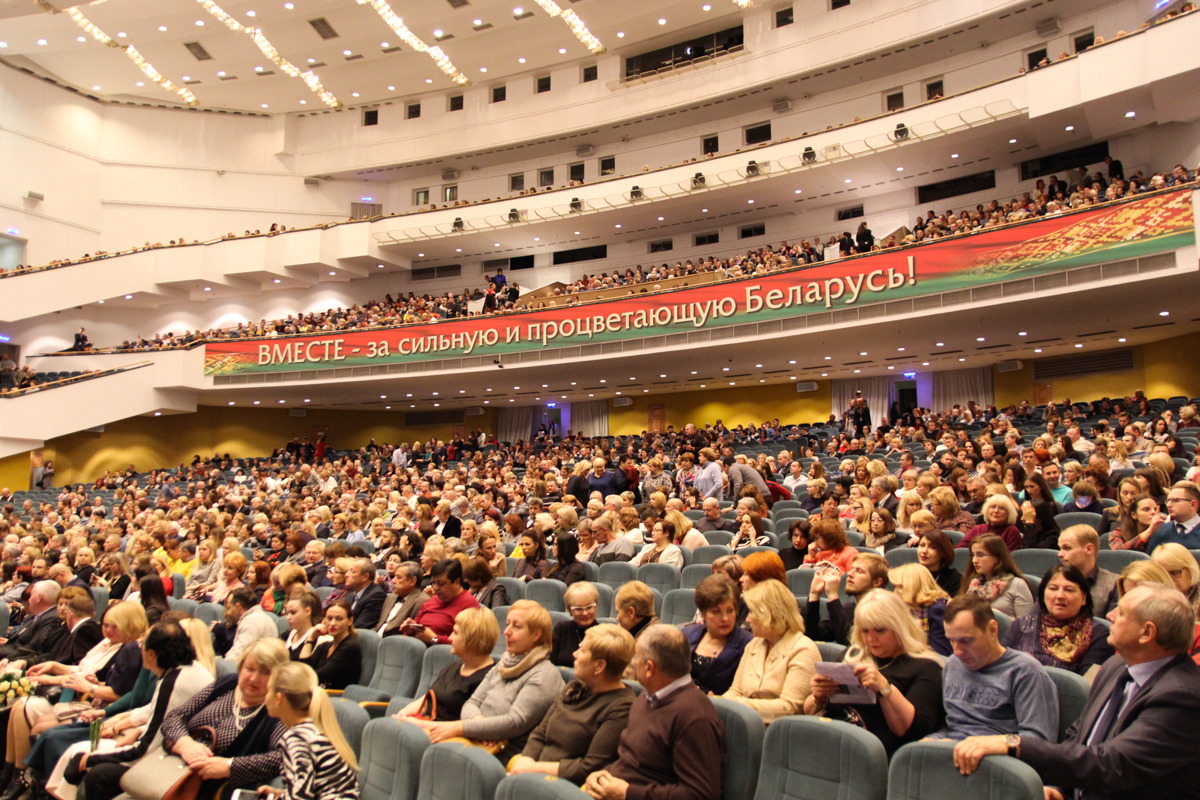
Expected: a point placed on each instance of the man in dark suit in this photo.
(1136, 738)
(881, 494)
(404, 601)
(447, 524)
(41, 630)
(366, 600)
(84, 632)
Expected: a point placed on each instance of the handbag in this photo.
(428, 708)
(147, 777)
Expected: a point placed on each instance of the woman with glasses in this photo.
(1181, 565)
(582, 599)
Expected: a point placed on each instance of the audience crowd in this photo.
(414, 539)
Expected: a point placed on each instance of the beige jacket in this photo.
(775, 682)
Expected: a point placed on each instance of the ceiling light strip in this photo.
(131, 52)
(412, 40)
(574, 23)
(260, 40)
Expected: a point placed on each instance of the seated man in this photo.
(251, 623)
(988, 688)
(1136, 737)
(868, 571)
(404, 601)
(673, 747)
(609, 547)
(1078, 545)
(713, 520)
(434, 621)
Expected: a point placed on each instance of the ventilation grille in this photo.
(1083, 364)
(197, 50)
(323, 28)
(458, 3)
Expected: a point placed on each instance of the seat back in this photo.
(591, 572)
(397, 668)
(209, 612)
(831, 651)
(1003, 621)
(679, 607)
(1072, 697)
(281, 625)
(707, 554)
(436, 659)
(617, 573)
(1117, 560)
(531, 786)
(719, 537)
(352, 719)
(513, 587)
(608, 597)
(548, 593)
(744, 733)
(663, 577)
(812, 758)
(370, 642)
(178, 584)
(99, 597)
(901, 555)
(693, 574)
(226, 667)
(1069, 518)
(188, 606)
(390, 762)
(926, 771)
(800, 581)
(457, 771)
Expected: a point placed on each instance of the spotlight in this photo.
(458, 223)
(752, 169)
(809, 156)
(635, 193)
(576, 205)
(514, 215)
(698, 180)
(901, 132)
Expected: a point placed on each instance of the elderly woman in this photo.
(992, 575)
(634, 605)
(774, 675)
(482, 584)
(829, 545)
(1060, 631)
(1181, 565)
(336, 656)
(793, 555)
(716, 641)
(999, 519)
(948, 515)
(582, 600)
(935, 552)
(890, 657)
(233, 568)
(472, 640)
(581, 731)
(513, 697)
(881, 531)
(914, 584)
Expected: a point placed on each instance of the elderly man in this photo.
(609, 547)
(672, 748)
(42, 629)
(1136, 738)
(712, 520)
(405, 600)
(364, 596)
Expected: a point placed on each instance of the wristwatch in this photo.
(1013, 741)
(886, 690)
(434, 640)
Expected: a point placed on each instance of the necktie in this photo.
(1111, 710)
(1179, 530)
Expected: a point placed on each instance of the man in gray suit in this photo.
(404, 601)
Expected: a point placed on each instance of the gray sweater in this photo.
(510, 709)
(1013, 694)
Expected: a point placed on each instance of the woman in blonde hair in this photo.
(892, 658)
(318, 763)
(1181, 565)
(916, 586)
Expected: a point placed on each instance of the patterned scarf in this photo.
(991, 589)
(1066, 641)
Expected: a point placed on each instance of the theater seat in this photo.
(458, 771)
(537, 787)
(812, 758)
(352, 719)
(396, 668)
(1072, 697)
(926, 771)
(390, 765)
(743, 748)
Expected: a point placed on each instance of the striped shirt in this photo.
(313, 769)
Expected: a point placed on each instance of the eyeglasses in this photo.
(581, 609)
(1178, 500)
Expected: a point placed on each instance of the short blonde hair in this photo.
(1001, 500)
(915, 585)
(637, 595)
(581, 590)
(1143, 571)
(267, 654)
(614, 645)
(946, 499)
(479, 629)
(1173, 555)
(536, 618)
(774, 606)
(130, 619)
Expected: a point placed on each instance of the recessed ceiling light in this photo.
(199, 23)
(312, 60)
(662, 20)
(332, 272)
(483, 69)
(620, 34)
(980, 339)
(251, 13)
(954, 155)
(660, 219)
(1037, 350)
(899, 169)
(617, 225)
(750, 202)
(890, 367)
(458, 249)
(187, 77)
(159, 413)
(576, 233)
(1070, 128)
(898, 350)
(289, 6)
(162, 28)
(438, 32)
(518, 11)
(962, 359)
(1078, 344)
(704, 211)
(128, 297)
(264, 105)
(562, 51)
(96, 88)
(1022, 333)
(140, 83)
(221, 73)
(258, 69)
(857, 371)
(208, 288)
(277, 280)
(391, 88)
(435, 394)
(347, 52)
(41, 42)
(941, 344)
(303, 102)
(863, 353)
(307, 400)
(537, 238)
(1012, 141)
(383, 397)
(1130, 114)
(476, 22)
(81, 39)
(829, 358)
(1122, 339)
(847, 180)
(706, 7)
(1164, 313)
(232, 403)
(924, 363)
(521, 60)
(797, 191)
(3, 44)
(824, 374)
(420, 255)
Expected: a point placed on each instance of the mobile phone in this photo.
(245, 794)
(415, 626)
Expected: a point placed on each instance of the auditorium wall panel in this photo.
(733, 405)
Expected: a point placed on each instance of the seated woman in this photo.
(286, 579)
(489, 548)
(992, 575)
(830, 545)
(1037, 514)
(580, 733)
(1113, 517)
(634, 607)
(890, 657)
(204, 573)
(532, 564)
(1181, 565)
(816, 495)
(881, 531)
(152, 598)
(798, 534)
(686, 534)
(947, 514)
(337, 578)
(910, 504)
(1135, 527)
(337, 655)
(170, 656)
(764, 565)
(717, 642)
(234, 566)
(935, 552)
(318, 763)
(999, 519)
(474, 636)
(914, 584)
(566, 567)
(304, 613)
(514, 697)
(108, 671)
(582, 600)
(774, 675)
(482, 585)
(662, 548)
(1059, 631)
